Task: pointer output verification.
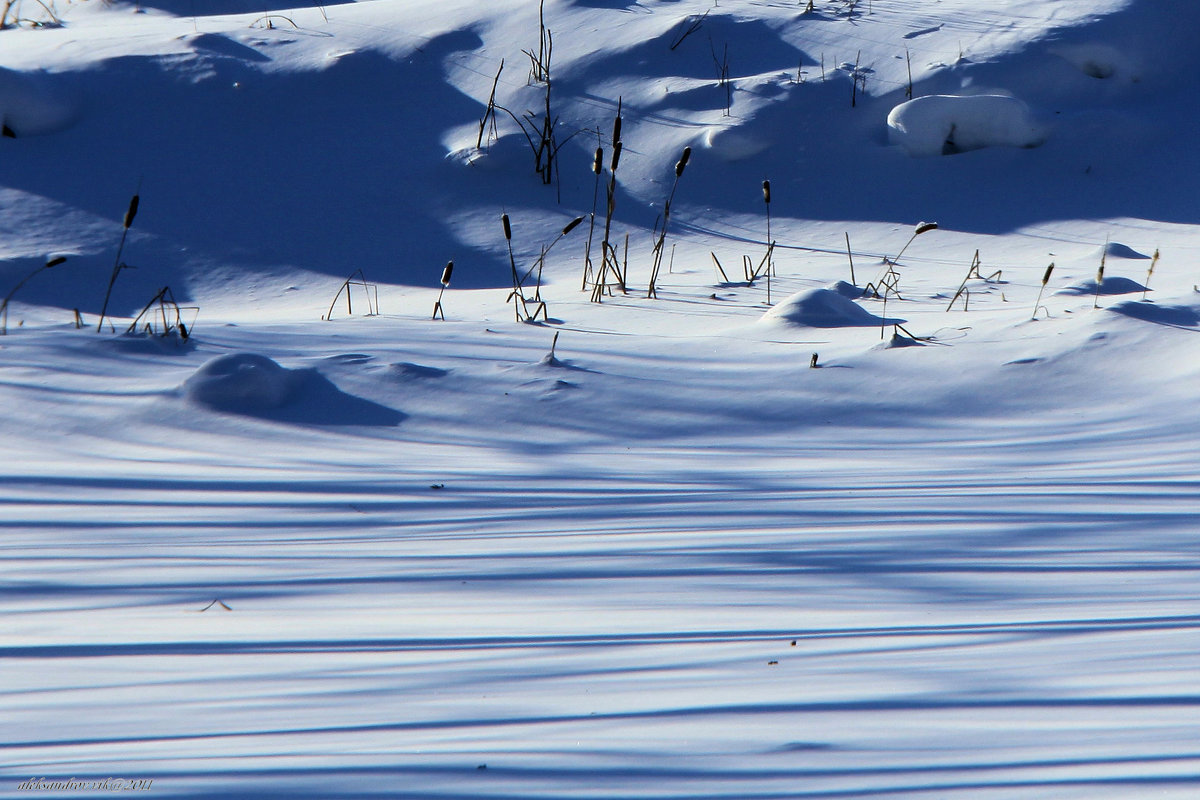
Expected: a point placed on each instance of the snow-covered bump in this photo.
(241, 382)
(733, 145)
(1118, 250)
(822, 308)
(1109, 286)
(1179, 316)
(944, 124)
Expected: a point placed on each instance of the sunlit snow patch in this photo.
(945, 124)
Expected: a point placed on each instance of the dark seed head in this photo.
(132, 212)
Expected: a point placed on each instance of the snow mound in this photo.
(731, 145)
(29, 105)
(405, 370)
(1176, 316)
(255, 386)
(946, 124)
(846, 289)
(1114, 285)
(897, 341)
(244, 382)
(822, 308)
(1118, 250)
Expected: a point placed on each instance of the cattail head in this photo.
(447, 272)
(616, 156)
(767, 192)
(598, 162)
(572, 225)
(925, 227)
(132, 212)
(54, 262)
(1100, 275)
(616, 134)
(683, 161)
(1046, 276)
(507, 227)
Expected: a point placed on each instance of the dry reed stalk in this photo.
(890, 280)
(696, 22)
(766, 187)
(357, 278)
(963, 291)
(1150, 273)
(597, 169)
(489, 115)
(720, 269)
(166, 304)
(608, 251)
(119, 265)
(517, 295)
(1100, 273)
(850, 256)
(50, 264)
(908, 62)
(1045, 279)
(438, 309)
(660, 242)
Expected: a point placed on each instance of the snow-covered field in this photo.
(742, 540)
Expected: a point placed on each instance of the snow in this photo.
(944, 124)
(31, 105)
(768, 539)
(822, 308)
(241, 382)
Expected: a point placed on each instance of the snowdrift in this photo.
(241, 382)
(823, 308)
(255, 385)
(946, 124)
